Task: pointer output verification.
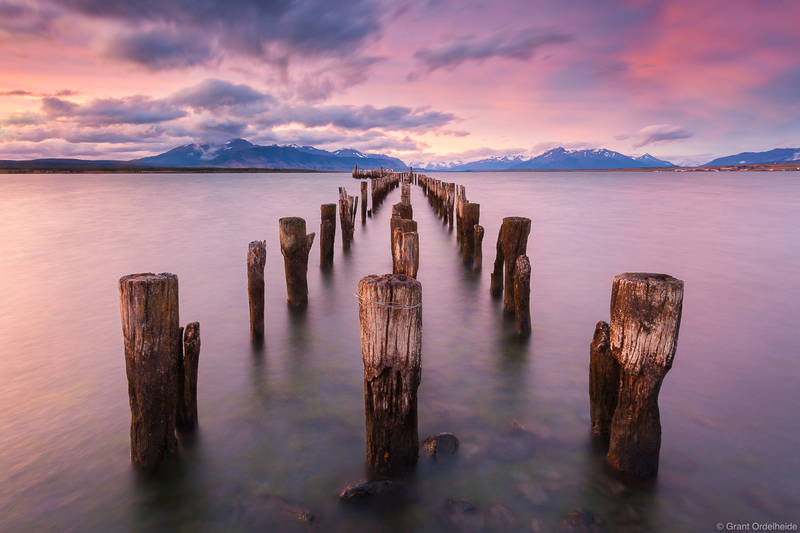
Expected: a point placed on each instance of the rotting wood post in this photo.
(477, 263)
(327, 234)
(390, 314)
(347, 216)
(295, 245)
(405, 193)
(403, 210)
(399, 226)
(405, 251)
(461, 198)
(256, 259)
(363, 202)
(603, 383)
(451, 198)
(522, 296)
(472, 215)
(643, 335)
(512, 242)
(187, 390)
(151, 331)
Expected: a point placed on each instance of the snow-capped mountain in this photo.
(557, 159)
(239, 153)
(778, 155)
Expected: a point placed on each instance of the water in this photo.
(288, 421)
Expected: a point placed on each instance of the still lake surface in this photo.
(288, 420)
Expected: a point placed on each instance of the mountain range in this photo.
(557, 159)
(778, 155)
(239, 153)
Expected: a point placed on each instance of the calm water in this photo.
(288, 421)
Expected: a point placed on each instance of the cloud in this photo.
(320, 84)
(659, 133)
(267, 30)
(26, 18)
(22, 119)
(520, 46)
(107, 111)
(160, 49)
(361, 117)
(212, 94)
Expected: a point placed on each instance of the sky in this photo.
(425, 80)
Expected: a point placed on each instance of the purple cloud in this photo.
(660, 133)
(212, 94)
(520, 46)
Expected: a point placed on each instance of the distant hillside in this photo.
(239, 153)
(558, 159)
(778, 155)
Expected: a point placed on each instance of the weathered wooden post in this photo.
(403, 210)
(603, 382)
(327, 234)
(187, 378)
(405, 193)
(347, 216)
(405, 251)
(643, 336)
(295, 245)
(450, 202)
(151, 331)
(478, 261)
(472, 215)
(390, 313)
(363, 202)
(256, 259)
(522, 295)
(512, 242)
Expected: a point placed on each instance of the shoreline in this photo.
(761, 167)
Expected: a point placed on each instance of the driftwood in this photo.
(256, 259)
(522, 295)
(295, 245)
(187, 378)
(643, 336)
(151, 331)
(327, 234)
(347, 216)
(390, 314)
(512, 242)
(603, 382)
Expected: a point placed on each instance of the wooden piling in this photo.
(472, 215)
(363, 202)
(512, 242)
(256, 259)
(347, 216)
(390, 314)
(405, 193)
(405, 252)
(327, 234)
(603, 383)
(643, 335)
(151, 333)
(522, 296)
(187, 379)
(477, 263)
(295, 245)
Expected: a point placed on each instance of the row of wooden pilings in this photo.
(629, 356)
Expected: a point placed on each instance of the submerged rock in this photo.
(439, 445)
(514, 444)
(461, 515)
(365, 490)
(582, 521)
(501, 518)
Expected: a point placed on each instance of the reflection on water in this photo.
(281, 425)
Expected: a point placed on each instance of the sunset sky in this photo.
(431, 80)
